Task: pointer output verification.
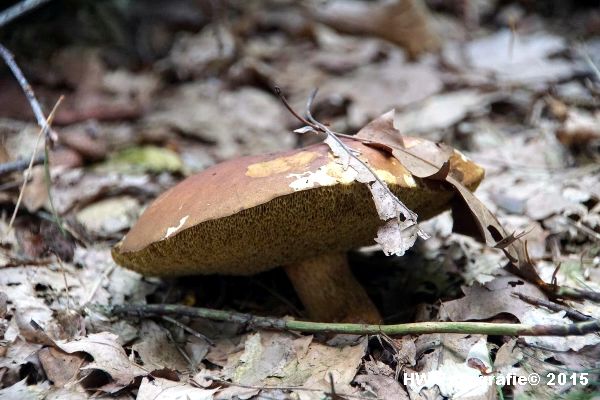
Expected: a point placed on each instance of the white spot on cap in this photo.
(410, 181)
(173, 229)
(326, 175)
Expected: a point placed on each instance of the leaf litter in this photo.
(208, 98)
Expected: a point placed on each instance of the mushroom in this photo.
(299, 209)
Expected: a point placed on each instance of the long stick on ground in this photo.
(253, 321)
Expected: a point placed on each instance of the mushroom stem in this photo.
(330, 292)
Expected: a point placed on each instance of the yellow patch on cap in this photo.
(280, 165)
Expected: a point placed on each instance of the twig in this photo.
(189, 330)
(253, 321)
(583, 228)
(19, 165)
(9, 59)
(566, 292)
(104, 275)
(64, 275)
(19, 9)
(589, 61)
(181, 351)
(569, 312)
(42, 121)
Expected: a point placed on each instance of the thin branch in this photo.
(569, 312)
(253, 322)
(19, 9)
(107, 271)
(189, 330)
(45, 131)
(9, 59)
(592, 234)
(19, 165)
(291, 109)
(566, 292)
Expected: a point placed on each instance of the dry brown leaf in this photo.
(156, 350)
(98, 93)
(204, 53)
(78, 187)
(401, 229)
(405, 23)
(580, 128)
(384, 387)
(422, 158)
(110, 216)
(471, 216)
(540, 316)
(271, 358)
(22, 391)
(382, 86)
(441, 112)
(513, 58)
(109, 356)
(60, 368)
(496, 297)
(238, 122)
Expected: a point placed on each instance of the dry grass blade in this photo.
(43, 130)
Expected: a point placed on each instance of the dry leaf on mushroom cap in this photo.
(471, 216)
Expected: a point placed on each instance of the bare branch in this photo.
(9, 59)
(19, 9)
(19, 165)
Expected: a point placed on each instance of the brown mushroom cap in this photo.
(254, 213)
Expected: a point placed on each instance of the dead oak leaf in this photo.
(108, 356)
(471, 216)
(496, 297)
(156, 350)
(274, 358)
(60, 367)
